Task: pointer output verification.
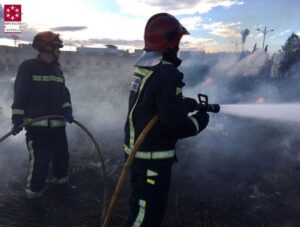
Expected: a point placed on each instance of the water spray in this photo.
(279, 112)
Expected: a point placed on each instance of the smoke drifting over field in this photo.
(231, 163)
(236, 80)
(236, 155)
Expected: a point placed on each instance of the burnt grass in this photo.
(229, 179)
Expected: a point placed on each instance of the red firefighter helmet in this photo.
(42, 39)
(162, 32)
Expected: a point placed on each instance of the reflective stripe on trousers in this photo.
(31, 194)
(141, 215)
(151, 154)
(47, 122)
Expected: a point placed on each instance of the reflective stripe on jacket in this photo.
(157, 90)
(40, 90)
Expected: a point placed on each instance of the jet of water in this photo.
(278, 112)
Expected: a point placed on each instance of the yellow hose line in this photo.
(115, 197)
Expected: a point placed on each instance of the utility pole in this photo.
(70, 40)
(265, 33)
(16, 39)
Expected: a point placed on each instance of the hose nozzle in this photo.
(214, 108)
(204, 106)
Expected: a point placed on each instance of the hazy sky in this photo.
(215, 25)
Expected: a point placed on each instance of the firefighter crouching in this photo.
(40, 90)
(156, 88)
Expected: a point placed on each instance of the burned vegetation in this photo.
(227, 177)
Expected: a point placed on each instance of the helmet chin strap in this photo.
(52, 52)
(51, 56)
(172, 55)
(171, 52)
(178, 54)
(55, 57)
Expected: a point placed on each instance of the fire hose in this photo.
(107, 215)
(203, 105)
(128, 164)
(104, 174)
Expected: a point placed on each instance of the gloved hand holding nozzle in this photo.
(190, 104)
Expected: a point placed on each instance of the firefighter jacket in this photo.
(40, 90)
(157, 90)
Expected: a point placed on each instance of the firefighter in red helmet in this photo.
(42, 39)
(40, 90)
(157, 89)
(163, 32)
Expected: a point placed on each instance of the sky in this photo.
(215, 25)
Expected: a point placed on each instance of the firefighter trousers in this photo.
(46, 146)
(148, 200)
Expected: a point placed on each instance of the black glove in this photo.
(69, 117)
(190, 104)
(16, 128)
(202, 119)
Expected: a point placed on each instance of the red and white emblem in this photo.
(12, 13)
(12, 18)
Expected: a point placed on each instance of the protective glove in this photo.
(16, 128)
(69, 117)
(202, 119)
(190, 104)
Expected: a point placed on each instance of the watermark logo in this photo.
(12, 18)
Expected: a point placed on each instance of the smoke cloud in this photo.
(234, 159)
(13, 150)
(235, 156)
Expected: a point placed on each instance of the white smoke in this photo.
(247, 66)
(99, 99)
(245, 80)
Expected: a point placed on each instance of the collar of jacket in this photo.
(54, 63)
(172, 58)
(149, 59)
